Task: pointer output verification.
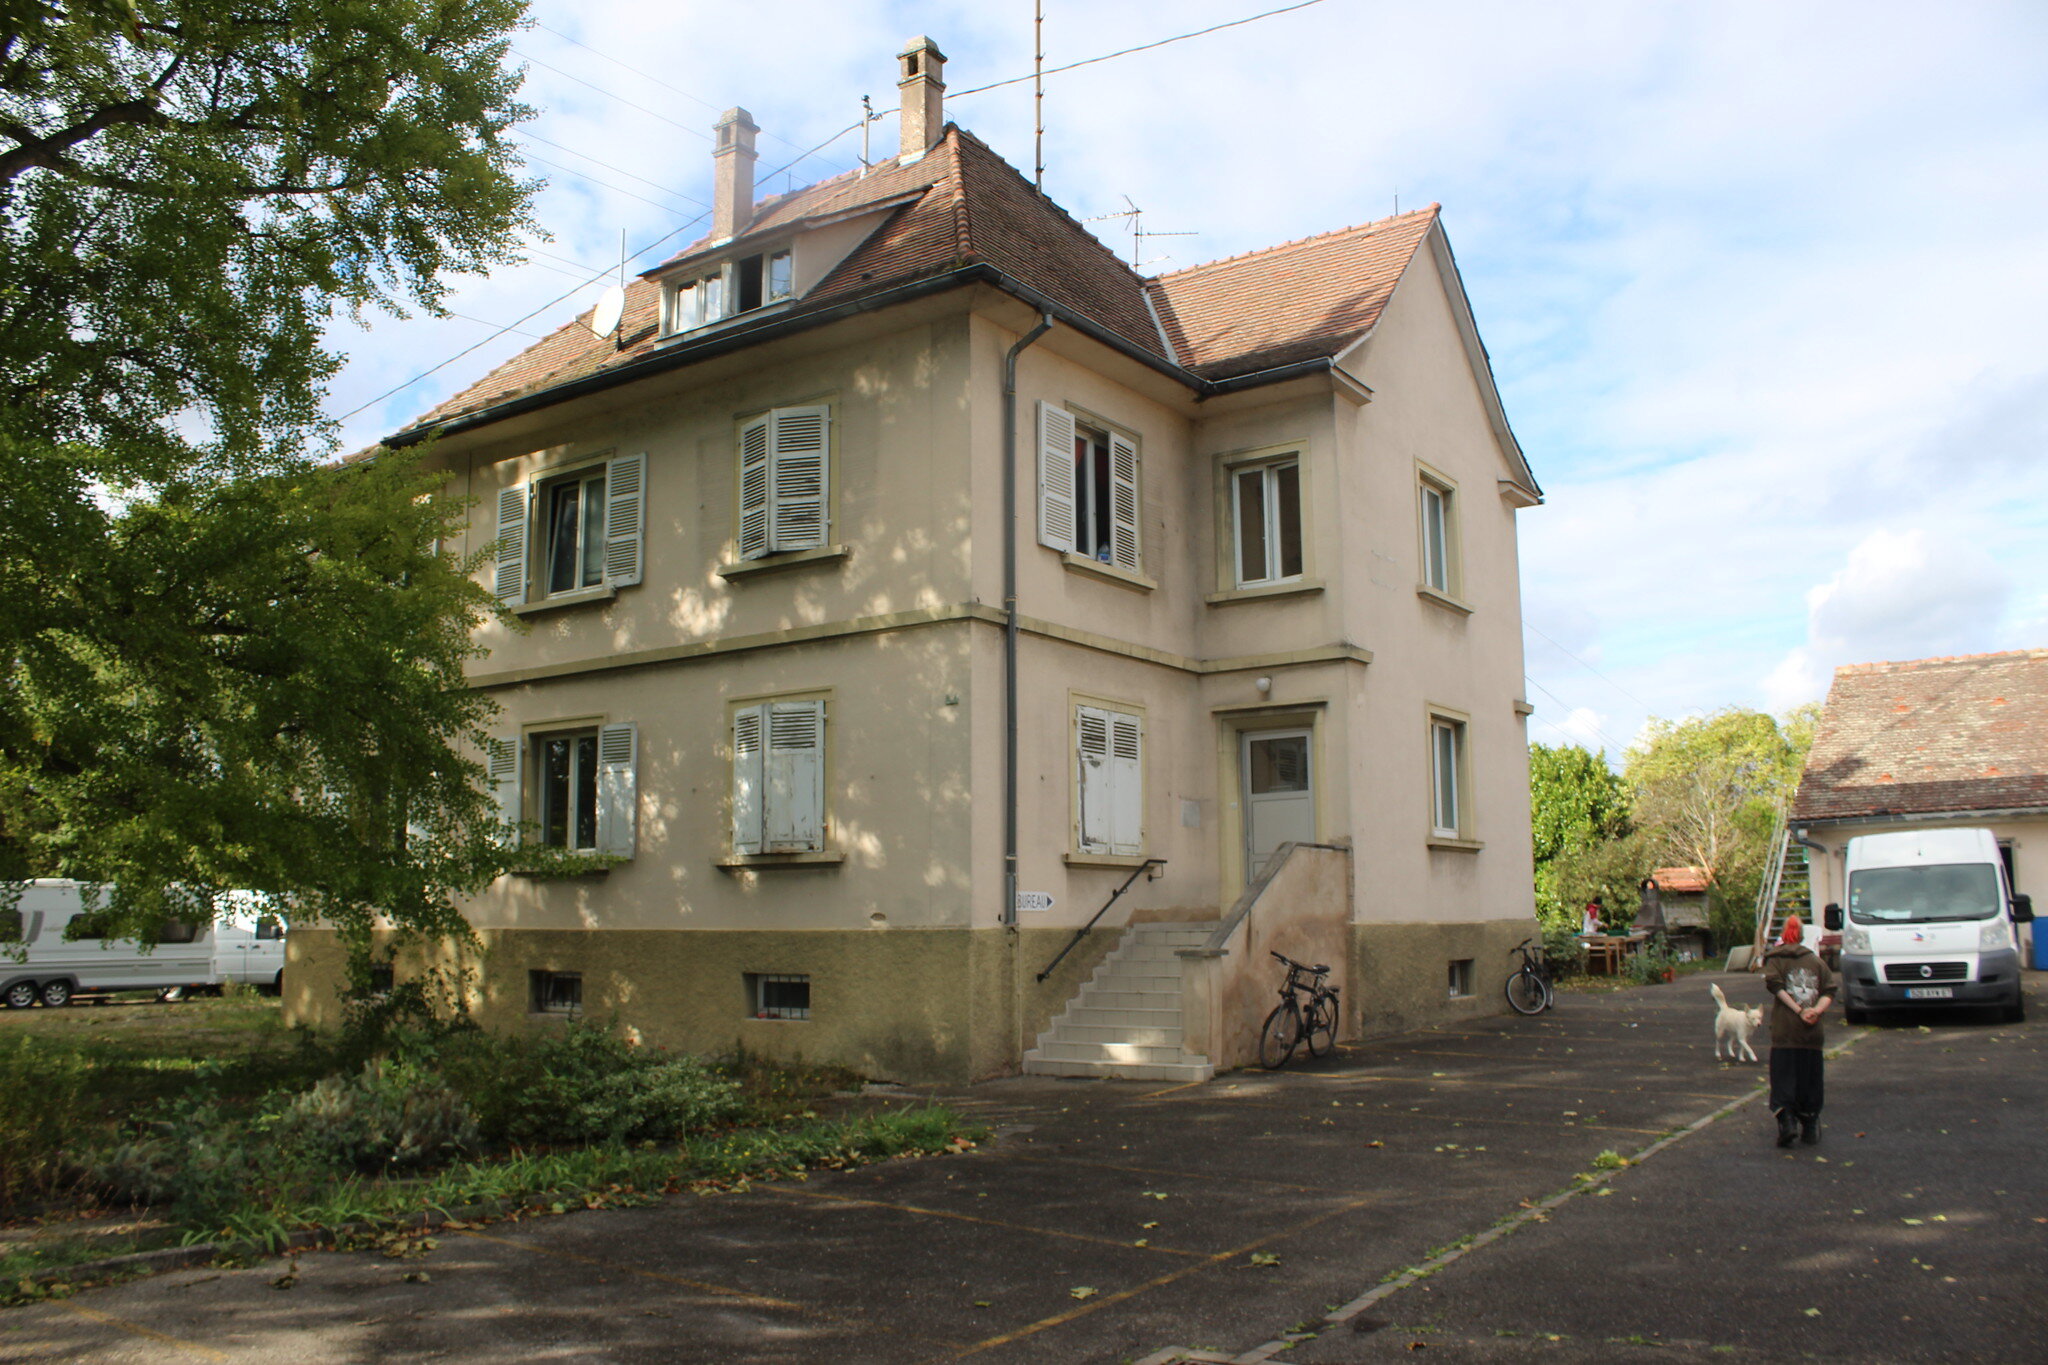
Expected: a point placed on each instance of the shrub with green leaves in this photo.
(389, 1116)
(197, 1158)
(40, 1091)
(587, 1084)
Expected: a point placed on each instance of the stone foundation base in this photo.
(1404, 978)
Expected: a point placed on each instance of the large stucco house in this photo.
(1231, 572)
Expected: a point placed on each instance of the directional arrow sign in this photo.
(1034, 900)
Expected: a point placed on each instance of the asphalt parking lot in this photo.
(1229, 1221)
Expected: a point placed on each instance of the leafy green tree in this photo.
(221, 663)
(1577, 806)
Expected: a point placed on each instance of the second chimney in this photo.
(732, 195)
(922, 69)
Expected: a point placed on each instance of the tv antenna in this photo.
(1038, 94)
(1140, 234)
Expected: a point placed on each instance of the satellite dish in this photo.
(604, 319)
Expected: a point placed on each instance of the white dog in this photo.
(1732, 1026)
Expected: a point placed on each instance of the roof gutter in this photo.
(733, 339)
(1947, 817)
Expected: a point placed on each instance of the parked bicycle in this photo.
(1307, 1013)
(1528, 987)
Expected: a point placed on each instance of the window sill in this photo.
(788, 559)
(1123, 578)
(567, 599)
(1104, 860)
(601, 865)
(1296, 587)
(734, 861)
(1447, 845)
(1443, 599)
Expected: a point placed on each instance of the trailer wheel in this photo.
(56, 994)
(19, 996)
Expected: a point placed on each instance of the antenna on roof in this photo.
(1139, 232)
(867, 116)
(1038, 94)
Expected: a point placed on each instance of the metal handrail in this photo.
(1082, 932)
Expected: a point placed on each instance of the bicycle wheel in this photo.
(1322, 1025)
(1525, 992)
(1278, 1038)
(1549, 990)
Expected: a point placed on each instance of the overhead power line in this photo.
(1568, 710)
(1590, 669)
(615, 170)
(1142, 47)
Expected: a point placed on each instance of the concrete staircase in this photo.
(1126, 1021)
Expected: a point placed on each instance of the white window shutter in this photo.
(1123, 501)
(1056, 498)
(1127, 784)
(746, 779)
(754, 489)
(794, 819)
(502, 762)
(800, 470)
(1093, 778)
(618, 789)
(510, 585)
(625, 519)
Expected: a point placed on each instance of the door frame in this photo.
(1232, 725)
(1245, 738)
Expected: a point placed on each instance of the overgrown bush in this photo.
(199, 1159)
(390, 1116)
(1648, 964)
(587, 1084)
(40, 1094)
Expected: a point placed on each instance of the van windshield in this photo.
(1915, 895)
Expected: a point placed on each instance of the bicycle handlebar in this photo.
(1319, 969)
(1520, 946)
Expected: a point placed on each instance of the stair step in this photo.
(1096, 1016)
(1188, 1069)
(1129, 1000)
(1111, 1052)
(1137, 981)
(1125, 1034)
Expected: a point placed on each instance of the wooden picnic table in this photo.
(1604, 952)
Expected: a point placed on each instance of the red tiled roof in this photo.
(1293, 302)
(1931, 736)
(962, 204)
(1682, 881)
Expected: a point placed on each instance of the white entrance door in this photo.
(1279, 797)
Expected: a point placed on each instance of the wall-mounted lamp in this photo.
(1265, 686)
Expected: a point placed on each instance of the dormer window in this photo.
(736, 287)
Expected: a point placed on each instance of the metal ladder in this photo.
(1787, 889)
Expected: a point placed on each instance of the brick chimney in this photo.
(732, 196)
(920, 76)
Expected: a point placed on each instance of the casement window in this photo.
(572, 533)
(554, 992)
(1087, 490)
(1265, 517)
(572, 789)
(785, 483)
(738, 286)
(1439, 536)
(778, 777)
(1447, 777)
(779, 995)
(1109, 781)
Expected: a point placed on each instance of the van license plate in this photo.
(1931, 993)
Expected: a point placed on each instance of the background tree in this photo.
(222, 664)
(1577, 805)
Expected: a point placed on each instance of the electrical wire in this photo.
(616, 170)
(1590, 669)
(1142, 47)
(612, 94)
(1568, 709)
(606, 184)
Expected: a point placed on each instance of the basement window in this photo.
(779, 995)
(1461, 977)
(555, 992)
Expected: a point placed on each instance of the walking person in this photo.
(1801, 988)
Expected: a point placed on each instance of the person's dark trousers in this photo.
(1797, 1092)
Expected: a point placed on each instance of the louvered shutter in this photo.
(1126, 784)
(746, 779)
(618, 789)
(1123, 501)
(503, 765)
(754, 489)
(1055, 477)
(510, 586)
(794, 815)
(625, 519)
(800, 469)
(1093, 779)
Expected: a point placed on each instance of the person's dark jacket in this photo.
(1797, 970)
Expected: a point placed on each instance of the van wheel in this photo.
(276, 986)
(20, 995)
(56, 994)
(1852, 1015)
(2016, 1012)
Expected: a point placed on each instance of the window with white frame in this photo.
(1439, 536)
(778, 777)
(785, 481)
(575, 789)
(735, 287)
(1087, 489)
(1447, 776)
(572, 533)
(1109, 781)
(1265, 516)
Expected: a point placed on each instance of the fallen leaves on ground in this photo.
(1265, 1259)
(1082, 1291)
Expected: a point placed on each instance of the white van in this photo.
(1930, 922)
(55, 967)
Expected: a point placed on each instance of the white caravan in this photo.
(1930, 922)
(239, 946)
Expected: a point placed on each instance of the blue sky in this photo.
(1762, 282)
